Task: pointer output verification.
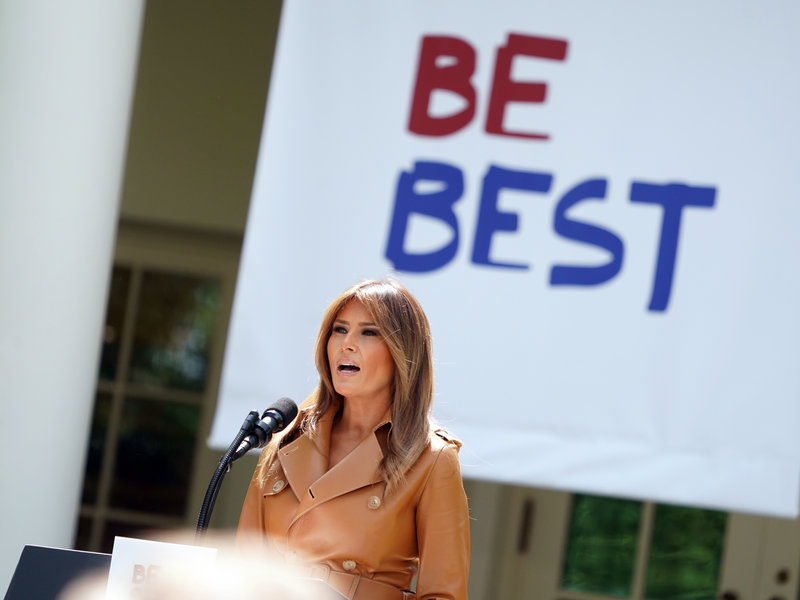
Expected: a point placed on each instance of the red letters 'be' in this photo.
(453, 73)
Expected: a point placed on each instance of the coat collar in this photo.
(305, 464)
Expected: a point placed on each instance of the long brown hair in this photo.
(407, 334)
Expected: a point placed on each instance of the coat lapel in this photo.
(305, 460)
(302, 464)
(354, 471)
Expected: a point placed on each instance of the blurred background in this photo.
(201, 88)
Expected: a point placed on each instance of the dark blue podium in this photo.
(42, 572)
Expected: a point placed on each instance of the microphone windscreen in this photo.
(285, 407)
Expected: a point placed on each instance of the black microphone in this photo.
(274, 419)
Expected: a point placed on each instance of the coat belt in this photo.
(353, 586)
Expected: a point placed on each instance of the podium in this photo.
(42, 572)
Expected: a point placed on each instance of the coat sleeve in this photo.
(443, 531)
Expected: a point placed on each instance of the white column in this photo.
(67, 72)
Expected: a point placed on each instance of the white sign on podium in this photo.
(135, 564)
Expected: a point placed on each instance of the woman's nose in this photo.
(348, 343)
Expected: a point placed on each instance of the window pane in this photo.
(154, 456)
(173, 331)
(115, 317)
(121, 529)
(685, 553)
(97, 443)
(602, 545)
(82, 534)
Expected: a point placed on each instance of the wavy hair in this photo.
(406, 331)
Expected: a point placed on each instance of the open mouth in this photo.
(347, 368)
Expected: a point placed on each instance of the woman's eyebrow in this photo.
(362, 323)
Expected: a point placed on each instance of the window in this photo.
(621, 548)
(158, 371)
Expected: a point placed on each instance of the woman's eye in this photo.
(370, 332)
(339, 329)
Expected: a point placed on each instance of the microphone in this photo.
(275, 418)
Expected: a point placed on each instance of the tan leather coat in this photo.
(368, 545)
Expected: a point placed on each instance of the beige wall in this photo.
(198, 109)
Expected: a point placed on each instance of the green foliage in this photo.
(684, 555)
(602, 545)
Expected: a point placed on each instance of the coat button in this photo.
(349, 565)
(374, 502)
(278, 485)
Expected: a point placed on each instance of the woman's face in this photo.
(360, 362)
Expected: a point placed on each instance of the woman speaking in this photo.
(363, 491)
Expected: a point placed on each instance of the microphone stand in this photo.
(222, 469)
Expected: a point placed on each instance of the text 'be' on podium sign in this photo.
(137, 564)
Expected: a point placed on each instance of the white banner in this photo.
(594, 202)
